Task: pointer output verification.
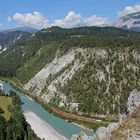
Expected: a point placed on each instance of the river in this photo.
(60, 125)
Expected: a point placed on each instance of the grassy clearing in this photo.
(4, 103)
(89, 125)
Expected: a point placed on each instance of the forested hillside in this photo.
(15, 127)
(63, 40)
(88, 70)
(103, 85)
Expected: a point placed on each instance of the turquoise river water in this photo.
(60, 125)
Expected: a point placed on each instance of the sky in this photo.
(63, 13)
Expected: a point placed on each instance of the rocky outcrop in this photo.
(133, 101)
(129, 129)
(105, 133)
(64, 77)
(81, 136)
(38, 82)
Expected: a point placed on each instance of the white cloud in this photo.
(0, 26)
(129, 10)
(35, 18)
(72, 19)
(96, 21)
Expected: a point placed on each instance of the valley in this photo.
(70, 70)
(85, 75)
(34, 112)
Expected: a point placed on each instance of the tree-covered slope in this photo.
(15, 127)
(90, 81)
(87, 70)
(104, 84)
(24, 51)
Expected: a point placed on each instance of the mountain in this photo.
(7, 39)
(23, 29)
(55, 39)
(130, 21)
(88, 71)
(92, 70)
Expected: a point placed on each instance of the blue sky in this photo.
(45, 13)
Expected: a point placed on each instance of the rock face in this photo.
(133, 101)
(131, 21)
(129, 129)
(101, 133)
(104, 133)
(105, 76)
(38, 82)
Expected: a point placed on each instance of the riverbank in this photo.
(41, 128)
(88, 123)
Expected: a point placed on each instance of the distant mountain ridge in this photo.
(130, 21)
(23, 29)
(8, 39)
(11, 36)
